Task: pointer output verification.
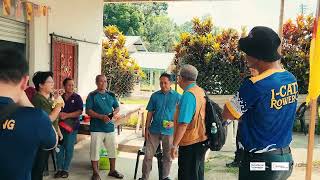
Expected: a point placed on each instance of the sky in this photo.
(237, 13)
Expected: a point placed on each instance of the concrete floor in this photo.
(130, 141)
(81, 169)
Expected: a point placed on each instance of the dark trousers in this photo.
(268, 174)
(39, 164)
(239, 152)
(191, 162)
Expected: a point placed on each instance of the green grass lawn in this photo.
(132, 122)
(217, 164)
(134, 101)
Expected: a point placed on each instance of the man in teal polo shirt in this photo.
(100, 105)
(159, 126)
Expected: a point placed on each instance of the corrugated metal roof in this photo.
(135, 44)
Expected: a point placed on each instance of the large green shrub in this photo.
(296, 47)
(120, 69)
(217, 58)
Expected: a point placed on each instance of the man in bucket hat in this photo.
(266, 105)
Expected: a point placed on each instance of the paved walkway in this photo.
(81, 169)
(215, 167)
(216, 170)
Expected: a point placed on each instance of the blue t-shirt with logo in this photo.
(266, 105)
(101, 103)
(163, 105)
(27, 130)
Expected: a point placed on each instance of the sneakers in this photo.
(61, 174)
(95, 177)
(233, 164)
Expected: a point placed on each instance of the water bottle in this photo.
(214, 128)
(57, 149)
(103, 153)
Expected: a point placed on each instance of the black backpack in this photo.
(215, 131)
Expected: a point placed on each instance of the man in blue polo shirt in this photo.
(266, 105)
(23, 129)
(159, 126)
(100, 106)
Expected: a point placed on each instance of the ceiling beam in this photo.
(124, 1)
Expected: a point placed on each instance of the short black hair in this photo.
(167, 75)
(13, 65)
(40, 77)
(98, 76)
(65, 81)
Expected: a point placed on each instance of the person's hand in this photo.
(116, 116)
(105, 118)
(59, 106)
(63, 115)
(24, 101)
(174, 152)
(59, 100)
(60, 136)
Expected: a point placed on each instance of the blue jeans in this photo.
(64, 157)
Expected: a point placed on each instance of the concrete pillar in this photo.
(151, 80)
(230, 144)
(39, 46)
(157, 81)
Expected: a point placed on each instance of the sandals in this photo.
(115, 174)
(61, 174)
(95, 177)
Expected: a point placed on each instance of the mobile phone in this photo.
(110, 115)
(60, 142)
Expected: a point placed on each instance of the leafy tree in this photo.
(153, 9)
(296, 48)
(120, 70)
(185, 27)
(126, 17)
(159, 34)
(148, 20)
(188, 26)
(220, 64)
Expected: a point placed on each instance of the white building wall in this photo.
(79, 19)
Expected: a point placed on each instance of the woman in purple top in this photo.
(69, 124)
